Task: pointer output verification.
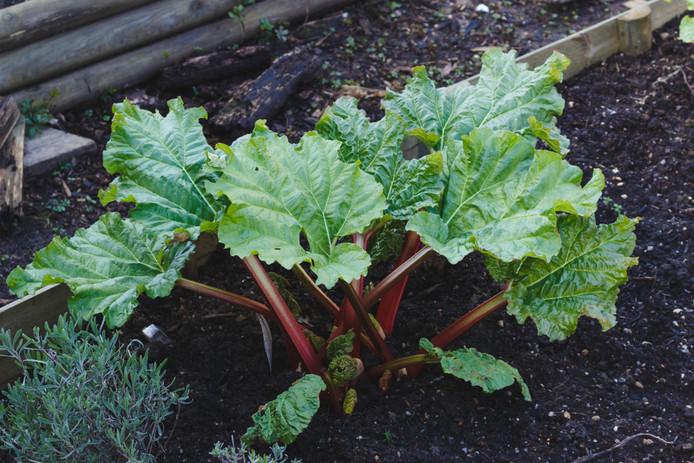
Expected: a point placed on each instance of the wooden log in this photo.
(218, 65)
(263, 97)
(88, 44)
(28, 22)
(144, 63)
(11, 160)
(31, 311)
(635, 33)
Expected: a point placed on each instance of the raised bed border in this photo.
(585, 48)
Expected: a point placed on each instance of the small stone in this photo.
(595, 418)
(584, 352)
(648, 442)
(567, 415)
(638, 384)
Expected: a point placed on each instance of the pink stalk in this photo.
(226, 296)
(388, 307)
(464, 323)
(396, 275)
(287, 321)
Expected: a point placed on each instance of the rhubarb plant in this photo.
(328, 208)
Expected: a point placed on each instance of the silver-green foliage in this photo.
(242, 454)
(83, 397)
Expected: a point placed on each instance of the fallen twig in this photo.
(625, 441)
(691, 90)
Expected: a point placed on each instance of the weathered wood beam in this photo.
(144, 63)
(11, 158)
(28, 22)
(103, 39)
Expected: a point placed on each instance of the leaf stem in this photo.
(315, 291)
(398, 364)
(284, 316)
(226, 296)
(371, 331)
(464, 323)
(388, 308)
(396, 275)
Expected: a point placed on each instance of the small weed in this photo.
(611, 205)
(57, 205)
(36, 115)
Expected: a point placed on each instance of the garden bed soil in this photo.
(630, 117)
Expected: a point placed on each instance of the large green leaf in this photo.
(283, 419)
(583, 279)
(279, 191)
(479, 369)
(505, 97)
(409, 185)
(107, 266)
(160, 162)
(502, 197)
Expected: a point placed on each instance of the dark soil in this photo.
(631, 117)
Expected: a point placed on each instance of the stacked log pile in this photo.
(67, 52)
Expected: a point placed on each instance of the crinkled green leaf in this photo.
(582, 280)
(549, 135)
(344, 369)
(505, 97)
(160, 161)
(280, 191)
(284, 418)
(341, 345)
(479, 369)
(282, 285)
(387, 241)
(408, 185)
(502, 197)
(107, 266)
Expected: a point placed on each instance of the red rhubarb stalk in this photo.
(289, 324)
(226, 296)
(388, 307)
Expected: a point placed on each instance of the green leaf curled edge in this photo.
(160, 161)
(502, 198)
(505, 96)
(408, 185)
(341, 345)
(479, 369)
(280, 191)
(284, 418)
(107, 266)
(583, 279)
(282, 285)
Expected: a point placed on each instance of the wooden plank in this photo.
(596, 43)
(635, 33)
(44, 151)
(102, 39)
(24, 314)
(11, 155)
(28, 22)
(144, 63)
(9, 115)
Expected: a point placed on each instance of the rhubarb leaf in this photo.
(107, 266)
(505, 97)
(409, 185)
(479, 369)
(502, 197)
(160, 161)
(284, 418)
(583, 279)
(280, 191)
